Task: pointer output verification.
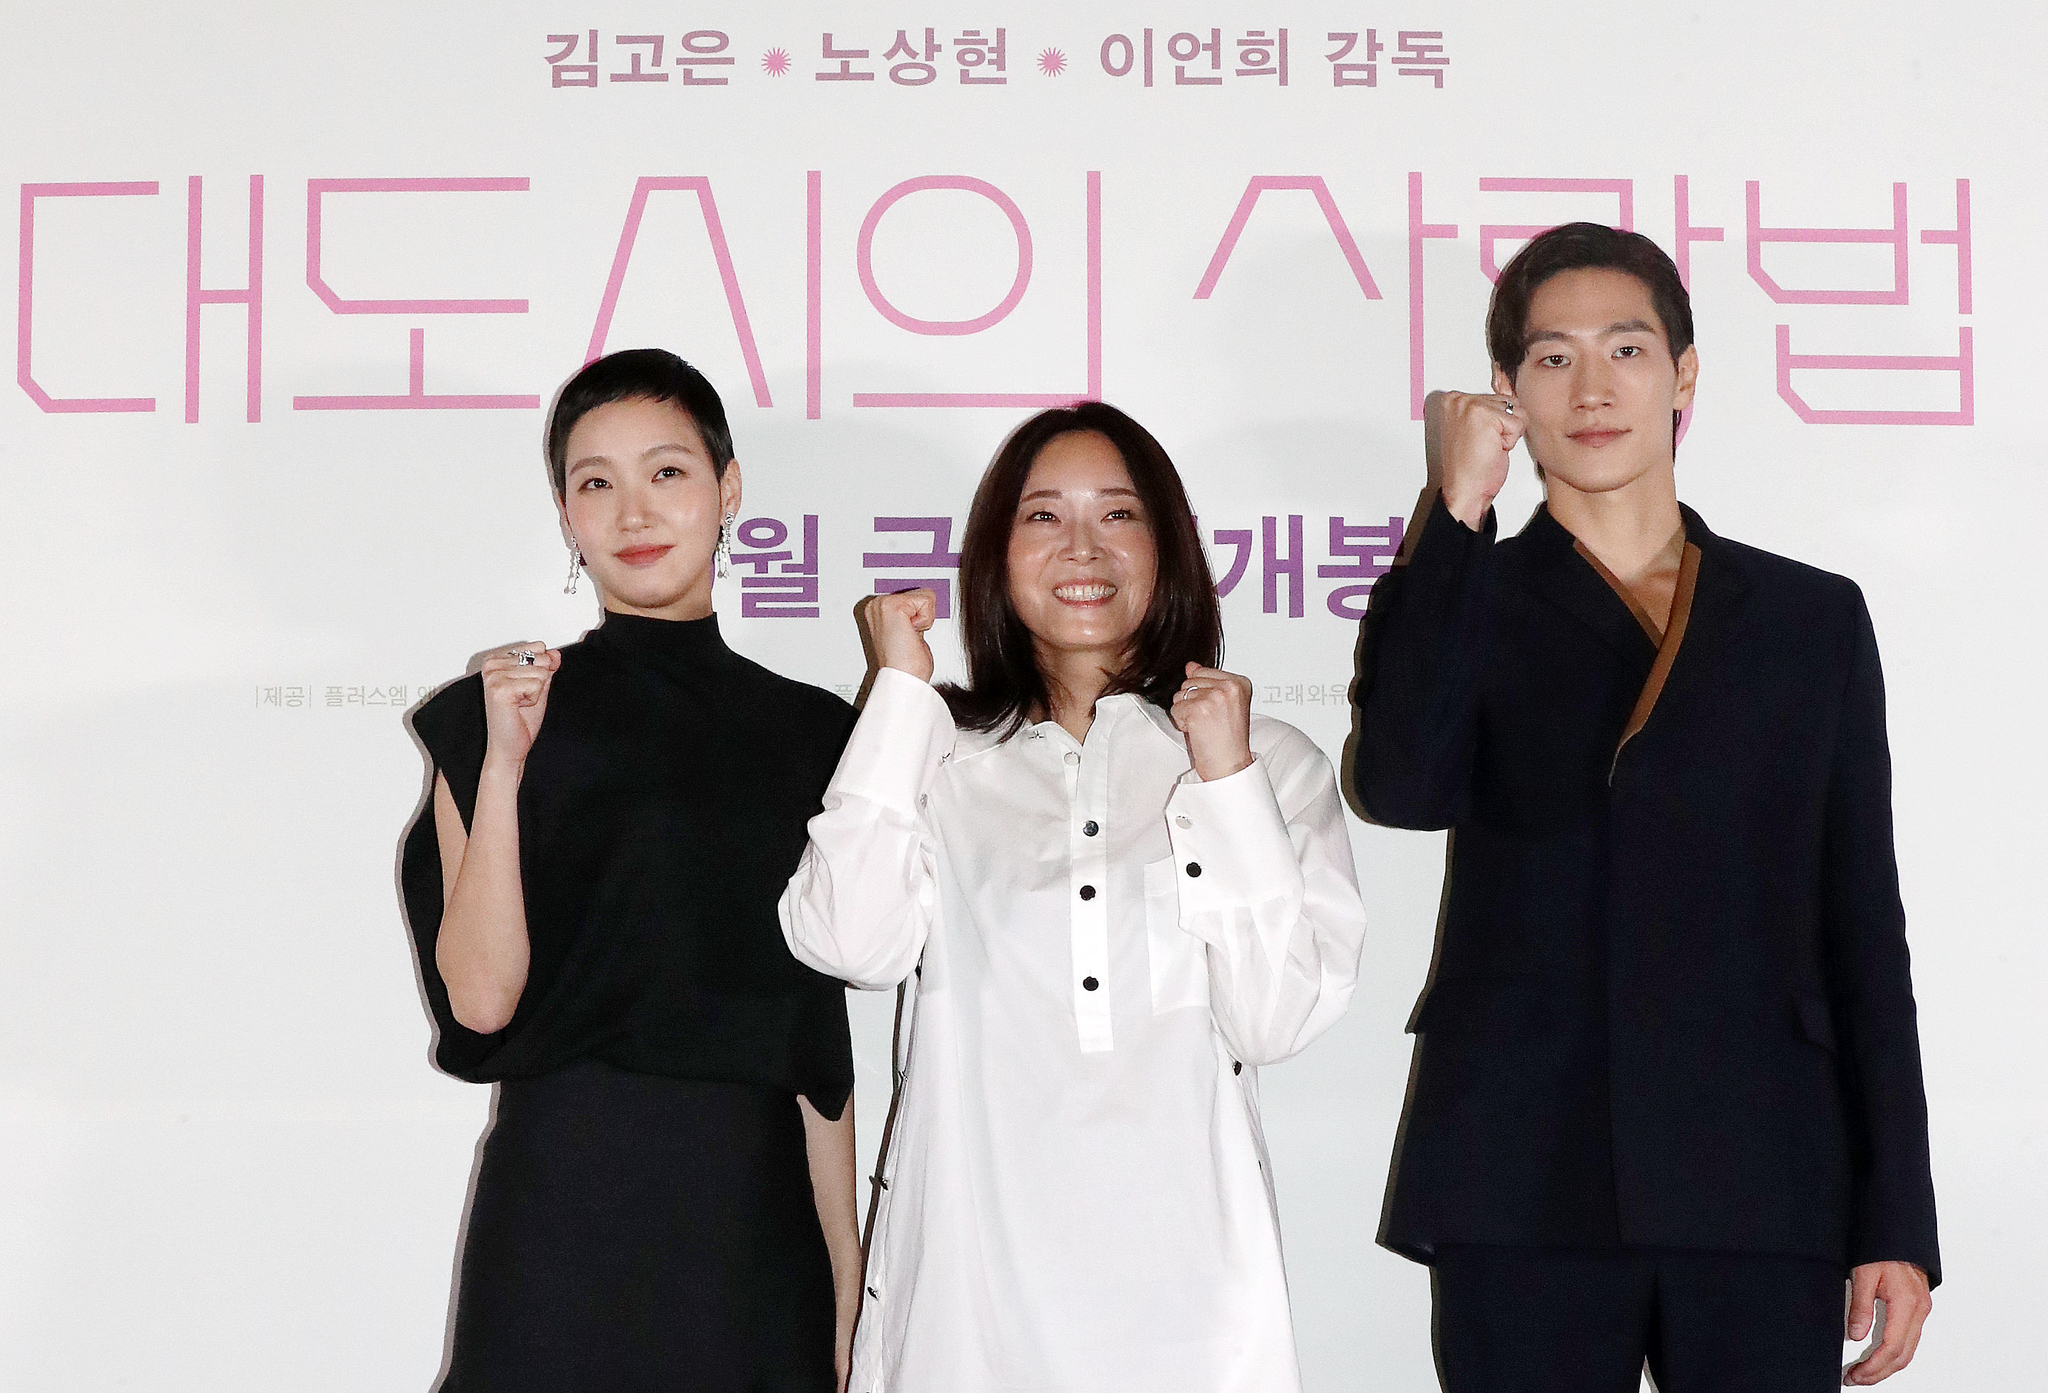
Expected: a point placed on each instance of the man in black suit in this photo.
(1668, 1094)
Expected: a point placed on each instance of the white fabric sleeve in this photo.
(1263, 864)
(866, 891)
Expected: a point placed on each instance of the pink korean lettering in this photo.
(24, 373)
(416, 397)
(249, 296)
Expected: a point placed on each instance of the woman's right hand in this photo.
(516, 698)
(896, 626)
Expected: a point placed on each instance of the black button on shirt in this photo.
(1087, 892)
(1194, 868)
(1089, 828)
(1089, 984)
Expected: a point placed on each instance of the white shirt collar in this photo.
(1110, 712)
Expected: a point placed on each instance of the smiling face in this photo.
(1082, 560)
(1597, 383)
(643, 503)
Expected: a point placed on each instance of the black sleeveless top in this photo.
(661, 812)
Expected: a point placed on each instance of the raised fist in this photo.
(896, 627)
(1472, 434)
(1213, 709)
(516, 697)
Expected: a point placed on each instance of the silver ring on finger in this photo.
(525, 657)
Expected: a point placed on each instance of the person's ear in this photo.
(729, 490)
(1503, 385)
(1688, 378)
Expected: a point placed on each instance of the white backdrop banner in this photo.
(294, 286)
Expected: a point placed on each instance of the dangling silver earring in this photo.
(575, 568)
(725, 547)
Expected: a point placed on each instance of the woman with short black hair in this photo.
(665, 1198)
(1120, 892)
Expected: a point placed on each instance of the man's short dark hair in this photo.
(1579, 246)
(638, 374)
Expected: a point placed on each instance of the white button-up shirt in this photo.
(1077, 1195)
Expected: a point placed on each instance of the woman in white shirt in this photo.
(1121, 893)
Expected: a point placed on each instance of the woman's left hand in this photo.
(1213, 709)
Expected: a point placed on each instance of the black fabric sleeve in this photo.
(836, 720)
(1421, 657)
(1871, 983)
(827, 1065)
(451, 726)
(826, 1071)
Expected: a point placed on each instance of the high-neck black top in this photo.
(661, 812)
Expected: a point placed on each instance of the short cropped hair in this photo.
(637, 374)
(1581, 246)
(1182, 624)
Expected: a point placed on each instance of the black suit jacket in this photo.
(1672, 1003)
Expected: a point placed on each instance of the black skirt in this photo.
(635, 1232)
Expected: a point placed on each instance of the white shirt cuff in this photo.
(1230, 841)
(904, 734)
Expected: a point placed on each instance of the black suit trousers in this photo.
(1573, 1320)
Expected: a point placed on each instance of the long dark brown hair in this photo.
(1183, 623)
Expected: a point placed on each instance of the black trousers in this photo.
(1567, 1320)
